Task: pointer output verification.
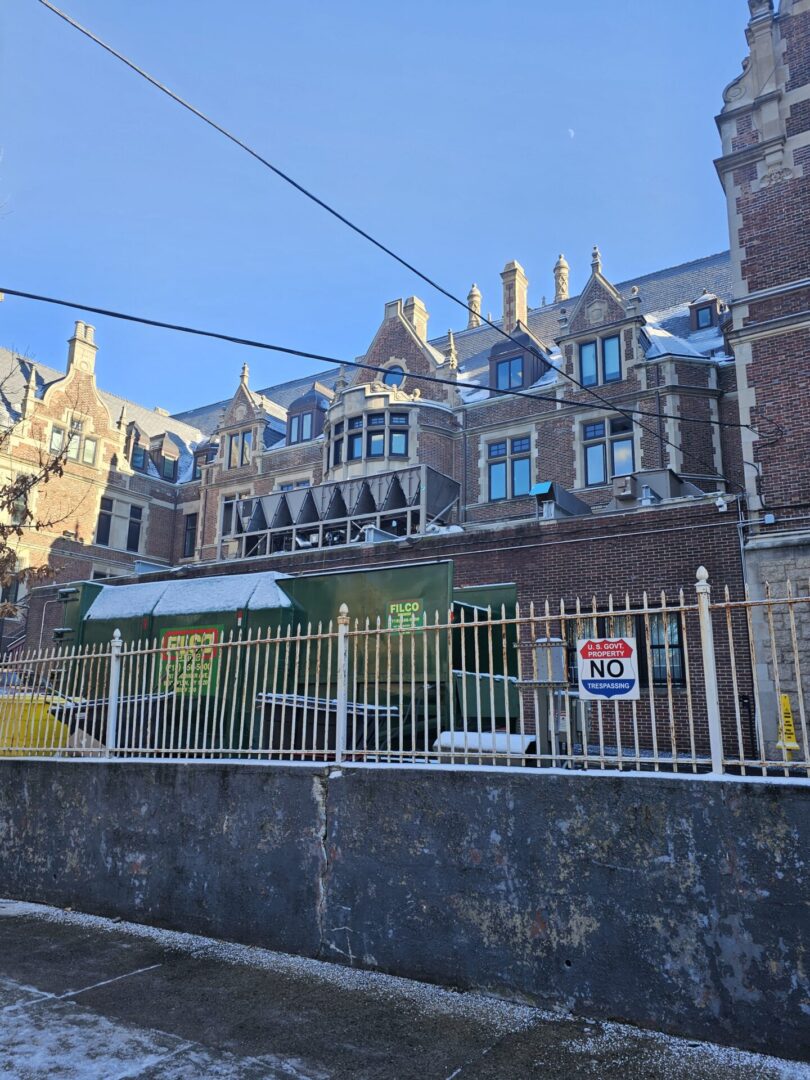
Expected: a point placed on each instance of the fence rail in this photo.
(722, 688)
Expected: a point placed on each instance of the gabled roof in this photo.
(664, 295)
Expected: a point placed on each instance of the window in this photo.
(57, 440)
(608, 450)
(399, 444)
(134, 528)
(104, 524)
(609, 349)
(189, 535)
(89, 452)
(285, 487)
(611, 360)
(394, 376)
(247, 446)
(168, 468)
(19, 505)
(239, 449)
(509, 373)
(704, 317)
(300, 428)
(373, 436)
(588, 375)
(139, 458)
(509, 468)
(376, 444)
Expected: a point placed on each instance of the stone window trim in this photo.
(518, 430)
(237, 449)
(79, 446)
(394, 374)
(582, 441)
(121, 525)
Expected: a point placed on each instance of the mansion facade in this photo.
(613, 440)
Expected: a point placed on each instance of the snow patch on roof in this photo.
(224, 592)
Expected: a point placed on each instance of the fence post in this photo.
(115, 686)
(703, 590)
(342, 682)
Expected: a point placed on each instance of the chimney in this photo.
(474, 304)
(82, 348)
(416, 314)
(515, 295)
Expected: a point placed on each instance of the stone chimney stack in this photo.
(474, 304)
(82, 348)
(515, 295)
(416, 314)
(561, 270)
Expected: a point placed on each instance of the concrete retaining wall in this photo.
(677, 904)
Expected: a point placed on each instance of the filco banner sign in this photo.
(608, 669)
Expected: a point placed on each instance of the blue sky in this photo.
(462, 134)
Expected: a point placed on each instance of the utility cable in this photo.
(605, 402)
(322, 358)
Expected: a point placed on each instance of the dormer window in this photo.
(509, 373)
(299, 428)
(139, 458)
(168, 469)
(600, 361)
(704, 311)
(239, 449)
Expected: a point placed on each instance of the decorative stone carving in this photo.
(596, 260)
(596, 313)
(561, 270)
(474, 304)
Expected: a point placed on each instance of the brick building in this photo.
(593, 449)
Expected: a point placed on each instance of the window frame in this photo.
(134, 528)
(586, 380)
(618, 375)
(190, 533)
(56, 429)
(511, 382)
(606, 442)
(504, 456)
(104, 514)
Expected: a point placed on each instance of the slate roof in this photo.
(206, 417)
(665, 295)
(15, 372)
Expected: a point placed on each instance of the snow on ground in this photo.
(70, 1049)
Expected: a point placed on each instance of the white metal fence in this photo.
(723, 689)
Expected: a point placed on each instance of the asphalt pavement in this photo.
(86, 998)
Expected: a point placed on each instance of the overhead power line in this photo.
(628, 414)
(305, 355)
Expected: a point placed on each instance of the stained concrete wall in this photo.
(678, 904)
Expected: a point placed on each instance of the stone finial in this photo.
(596, 260)
(243, 378)
(122, 418)
(450, 351)
(474, 304)
(416, 313)
(341, 382)
(561, 269)
(515, 296)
